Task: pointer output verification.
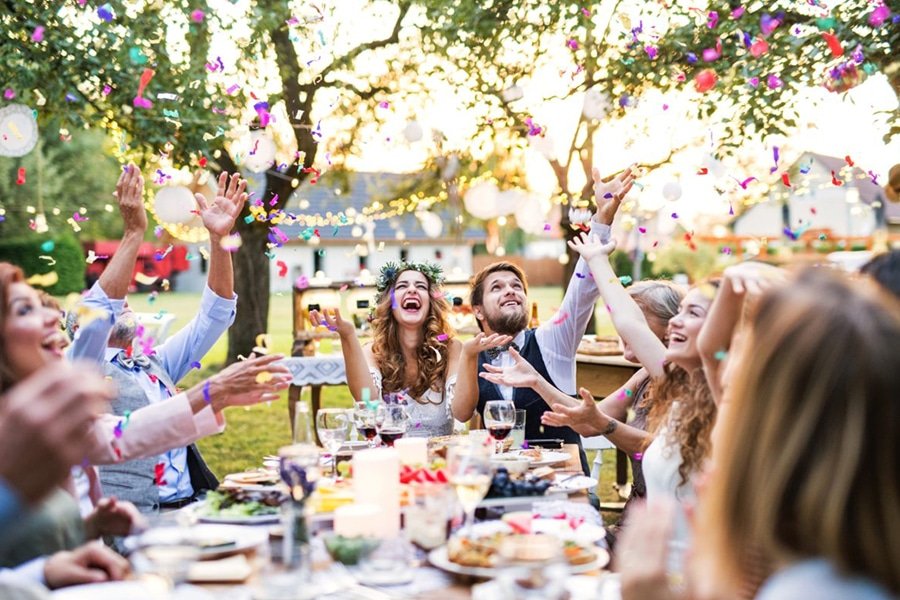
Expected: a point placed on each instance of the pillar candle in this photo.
(412, 451)
(376, 480)
(352, 520)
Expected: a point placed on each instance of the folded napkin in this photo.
(232, 569)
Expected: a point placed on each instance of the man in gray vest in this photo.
(145, 373)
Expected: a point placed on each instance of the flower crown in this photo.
(392, 270)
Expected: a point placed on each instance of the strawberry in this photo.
(441, 476)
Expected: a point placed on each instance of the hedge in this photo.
(66, 251)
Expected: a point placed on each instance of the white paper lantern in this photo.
(173, 204)
(412, 132)
(508, 200)
(596, 104)
(531, 213)
(672, 191)
(18, 130)
(481, 200)
(432, 224)
(543, 144)
(512, 93)
(263, 151)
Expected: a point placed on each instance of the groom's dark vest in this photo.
(528, 399)
(135, 480)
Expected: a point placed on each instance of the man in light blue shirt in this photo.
(146, 373)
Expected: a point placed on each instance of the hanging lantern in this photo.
(672, 191)
(260, 151)
(531, 213)
(596, 105)
(431, 223)
(18, 130)
(412, 132)
(174, 206)
(480, 200)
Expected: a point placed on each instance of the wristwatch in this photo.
(610, 428)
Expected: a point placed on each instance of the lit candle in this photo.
(412, 451)
(352, 520)
(376, 480)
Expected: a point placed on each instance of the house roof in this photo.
(364, 188)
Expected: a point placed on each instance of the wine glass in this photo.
(469, 471)
(499, 418)
(391, 421)
(333, 429)
(365, 419)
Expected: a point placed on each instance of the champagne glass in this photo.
(469, 472)
(364, 418)
(499, 418)
(333, 428)
(391, 421)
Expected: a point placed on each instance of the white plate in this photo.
(132, 590)
(244, 538)
(562, 483)
(438, 557)
(548, 457)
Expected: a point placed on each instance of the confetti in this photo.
(231, 243)
(720, 355)
(43, 280)
(835, 180)
(20, 179)
(775, 159)
(195, 364)
(625, 280)
(264, 377)
(774, 82)
(50, 260)
(145, 279)
(282, 268)
(834, 44)
(745, 182)
(759, 47)
(702, 171)
(642, 229)
(197, 16)
(786, 179)
(105, 12)
(705, 80)
(139, 100)
(38, 34)
(674, 215)
(561, 318)
(443, 337)
(48, 246)
(848, 160)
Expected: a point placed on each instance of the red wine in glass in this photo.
(389, 436)
(368, 432)
(499, 432)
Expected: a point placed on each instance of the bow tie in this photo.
(493, 353)
(129, 362)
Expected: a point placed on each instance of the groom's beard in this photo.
(507, 323)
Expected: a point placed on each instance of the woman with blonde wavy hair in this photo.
(412, 353)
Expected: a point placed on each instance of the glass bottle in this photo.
(535, 322)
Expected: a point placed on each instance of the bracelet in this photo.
(613, 424)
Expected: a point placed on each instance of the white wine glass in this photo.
(333, 427)
(499, 418)
(469, 471)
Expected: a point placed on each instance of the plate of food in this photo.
(480, 552)
(241, 506)
(213, 540)
(538, 456)
(255, 478)
(572, 482)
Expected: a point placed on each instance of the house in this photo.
(827, 194)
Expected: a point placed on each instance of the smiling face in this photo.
(684, 329)
(31, 334)
(124, 329)
(411, 299)
(503, 307)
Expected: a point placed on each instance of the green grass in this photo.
(259, 430)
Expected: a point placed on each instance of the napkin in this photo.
(232, 569)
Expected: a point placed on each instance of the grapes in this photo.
(502, 486)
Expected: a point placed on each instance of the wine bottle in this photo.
(535, 322)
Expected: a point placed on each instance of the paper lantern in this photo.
(18, 130)
(432, 224)
(508, 200)
(531, 214)
(672, 191)
(174, 204)
(543, 144)
(512, 93)
(412, 132)
(260, 151)
(480, 200)
(596, 105)
(705, 80)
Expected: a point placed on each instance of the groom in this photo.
(498, 299)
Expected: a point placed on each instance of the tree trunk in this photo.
(251, 283)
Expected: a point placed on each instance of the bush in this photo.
(66, 251)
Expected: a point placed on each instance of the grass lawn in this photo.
(256, 431)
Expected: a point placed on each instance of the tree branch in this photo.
(348, 58)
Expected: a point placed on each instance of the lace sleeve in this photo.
(376, 381)
(450, 390)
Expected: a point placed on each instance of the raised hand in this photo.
(582, 417)
(219, 217)
(520, 374)
(332, 322)
(249, 381)
(482, 342)
(589, 246)
(608, 193)
(130, 196)
(752, 278)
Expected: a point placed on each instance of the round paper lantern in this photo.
(672, 191)
(596, 105)
(481, 200)
(432, 224)
(173, 204)
(543, 144)
(18, 130)
(531, 213)
(260, 151)
(508, 200)
(512, 93)
(412, 132)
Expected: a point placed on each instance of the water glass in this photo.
(427, 515)
(333, 428)
(518, 432)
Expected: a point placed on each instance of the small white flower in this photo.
(579, 216)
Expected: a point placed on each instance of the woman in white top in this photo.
(412, 353)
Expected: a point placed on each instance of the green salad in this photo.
(242, 503)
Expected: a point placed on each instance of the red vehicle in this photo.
(153, 261)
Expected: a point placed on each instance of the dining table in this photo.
(267, 575)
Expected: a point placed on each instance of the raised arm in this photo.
(465, 400)
(739, 283)
(356, 363)
(116, 277)
(627, 316)
(218, 218)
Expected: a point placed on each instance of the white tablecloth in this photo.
(317, 370)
